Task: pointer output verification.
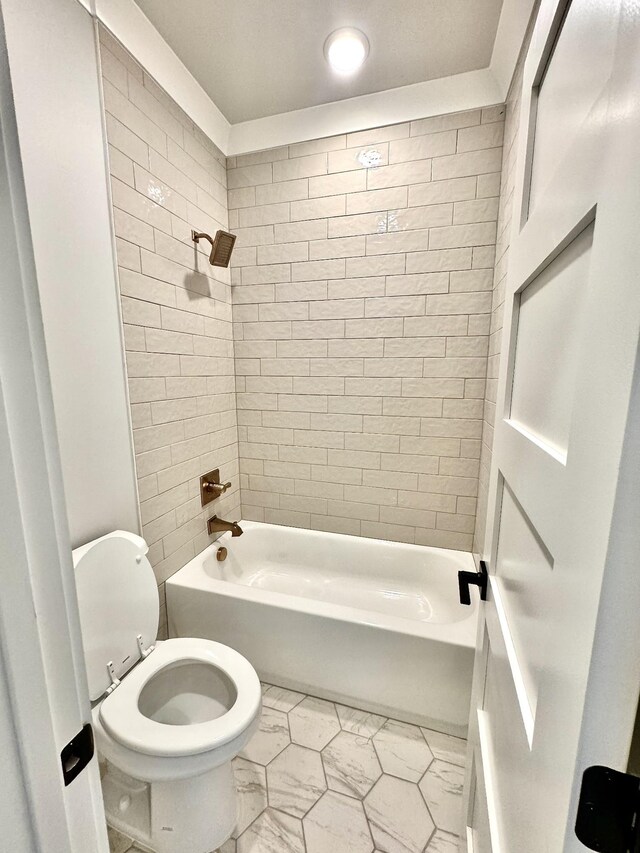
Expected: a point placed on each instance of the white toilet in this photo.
(168, 717)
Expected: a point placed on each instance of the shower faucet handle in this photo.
(211, 487)
(218, 488)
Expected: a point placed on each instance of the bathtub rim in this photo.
(461, 633)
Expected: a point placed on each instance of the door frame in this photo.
(40, 643)
(610, 698)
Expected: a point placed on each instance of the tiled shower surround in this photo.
(166, 179)
(362, 285)
(362, 293)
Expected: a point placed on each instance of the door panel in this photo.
(575, 74)
(523, 575)
(547, 346)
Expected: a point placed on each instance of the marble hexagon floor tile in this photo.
(270, 739)
(273, 832)
(402, 750)
(351, 764)
(442, 842)
(441, 787)
(359, 722)
(446, 747)
(251, 786)
(398, 816)
(337, 824)
(279, 698)
(324, 778)
(314, 722)
(118, 843)
(296, 780)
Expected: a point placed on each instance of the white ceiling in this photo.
(257, 58)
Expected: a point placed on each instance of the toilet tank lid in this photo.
(118, 601)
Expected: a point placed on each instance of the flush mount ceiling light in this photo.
(346, 49)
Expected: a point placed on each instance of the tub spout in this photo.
(219, 525)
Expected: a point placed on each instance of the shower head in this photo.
(221, 246)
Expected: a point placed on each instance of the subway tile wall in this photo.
(362, 298)
(167, 177)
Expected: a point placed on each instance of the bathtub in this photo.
(371, 624)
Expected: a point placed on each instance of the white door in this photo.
(558, 660)
(43, 692)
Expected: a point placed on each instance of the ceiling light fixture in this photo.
(346, 49)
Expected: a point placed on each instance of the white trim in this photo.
(486, 754)
(470, 844)
(131, 26)
(420, 100)
(471, 90)
(512, 28)
(42, 658)
(528, 718)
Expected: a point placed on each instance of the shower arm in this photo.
(197, 236)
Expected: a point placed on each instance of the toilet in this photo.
(168, 716)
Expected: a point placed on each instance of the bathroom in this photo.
(319, 340)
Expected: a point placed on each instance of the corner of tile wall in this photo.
(167, 177)
(362, 306)
(507, 188)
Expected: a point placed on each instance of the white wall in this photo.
(14, 809)
(54, 68)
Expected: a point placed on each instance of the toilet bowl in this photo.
(169, 716)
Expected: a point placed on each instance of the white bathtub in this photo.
(372, 624)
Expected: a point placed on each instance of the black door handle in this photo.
(479, 578)
(77, 754)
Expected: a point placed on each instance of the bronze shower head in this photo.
(221, 246)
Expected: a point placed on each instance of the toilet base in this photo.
(195, 815)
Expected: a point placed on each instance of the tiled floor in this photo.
(324, 778)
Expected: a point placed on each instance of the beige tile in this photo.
(398, 241)
(284, 253)
(315, 208)
(313, 229)
(249, 176)
(377, 200)
(339, 247)
(366, 157)
(454, 236)
(364, 223)
(471, 163)
(480, 210)
(264, 214)
(439, 259)
(395, 306)
(378, 134)
(445, 122)
(336, 184)
(317, 146)
(283, 190)
(423, 147)
(400, 175)
(480, 136)
(441, 192)
(300, 167)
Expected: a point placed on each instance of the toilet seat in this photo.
(122, 719)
